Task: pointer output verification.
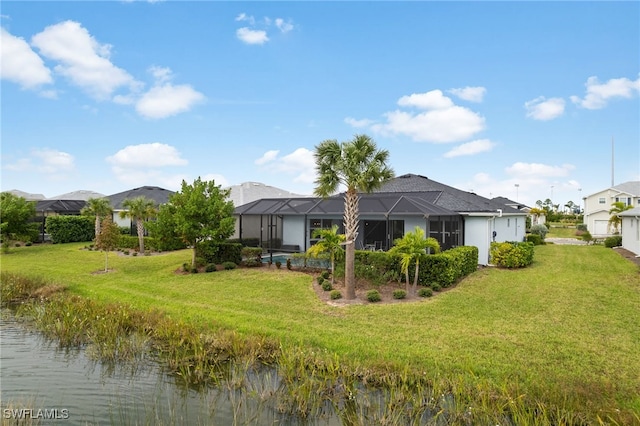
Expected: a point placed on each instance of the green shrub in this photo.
(540, 230)
(425, 292)
(534, 238)
(252, 263)
(186, 267)
(278, 264)
(70, 229)
(253, 253)
(326, 286)
(288, 263)
(581, 227)
(335, 294)
(211, 267)
(320, 280)
(229, 265)
(399, 294)
(194, 270)
(373, 296)
(219, 252)
(435, 286)
(325, 275)
(614, 241)
(587, 237)
(512, 254)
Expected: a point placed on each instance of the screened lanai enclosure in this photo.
(288, 224)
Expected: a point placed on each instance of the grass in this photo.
(561, 231)
(561, 334)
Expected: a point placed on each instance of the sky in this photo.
(529, 101)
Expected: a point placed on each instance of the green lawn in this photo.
(565, 329)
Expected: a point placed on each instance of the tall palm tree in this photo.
(614, 220)
(410, 247)
(98, 207)
(139, 209)
(360, 167)
(330, 242)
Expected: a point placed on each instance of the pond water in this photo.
(56, 386)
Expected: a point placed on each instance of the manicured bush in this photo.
(335, 294)
(587, 237)
(288, 263)
(373, 296)
(425, 292)
(326, 286)
(512, 254)
(252, 263)
(325, 275)
(70, 229)
(229, 265)
(320, 280)
(253, 253)
(435, 286)
(219, 252)
(211, 267)
(278, 264)
(399, 294)
(534, 238)
(581, 227)
(614, 241)
(540, 230)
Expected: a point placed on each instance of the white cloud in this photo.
(152, 155)
(44, 160)
(283, 26)
(544, 109)
(250, 36)
(161, 74)
(471, 148)
(471, 94)
(83, 60)
(167, 100)
(267, 157)
(243, 17)
(20, 64)
(429, 100)
(358, 123)
(538, 170)
(300, 163)
(218, 179)
(598, 94)
(443, 122)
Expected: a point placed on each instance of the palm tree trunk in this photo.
(350, 229)
(415, 278)
(140, 229)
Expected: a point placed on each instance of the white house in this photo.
(630, 230)
(597, 205)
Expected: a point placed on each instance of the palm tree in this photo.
(330, 242)
(98, 207)
(410, 247)
(360, 167)
(536, 212)
(614, 220)
(139, 209)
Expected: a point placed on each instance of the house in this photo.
(630, 230)
(451, 216)
(157, 194)
(247, 192)
(598, 204)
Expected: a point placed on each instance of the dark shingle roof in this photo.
(158, 195)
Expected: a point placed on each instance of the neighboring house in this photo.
(46, 208)
(157, 194)
(247, 192)
(27, 196)
(82, 194)
(451, 216)
(514, 204)
(630, 230)
(597, 205)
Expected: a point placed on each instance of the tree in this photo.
(614, 220)
(330, 242)
(98, 207)
(202, 211)
(139, 209)
(107, 238)
(410, 247)
(360, 167)
(536, 212)
(15, 214)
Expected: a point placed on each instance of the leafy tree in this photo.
(410, 247)
(360, 167)
(98, 207)
(139, 209)
(107, 238)
(201, 212)
(15, 214)
(614, 220)
(330, 242)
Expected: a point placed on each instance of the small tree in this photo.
(139, 209)
(201, 211)
(107, 238)
(98, 207)
(614, 220)
(410, 247)
(540, 230)
(330, 242)
(15, 213)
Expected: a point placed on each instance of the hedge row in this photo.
(150, 243)
(70, 229)
(512, 254)
(219, 252)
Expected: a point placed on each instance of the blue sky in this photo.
(510, 99)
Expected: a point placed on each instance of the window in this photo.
(323, 224)
(601, 200)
